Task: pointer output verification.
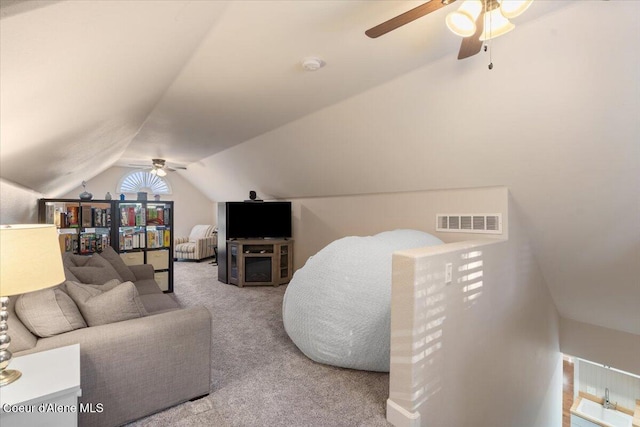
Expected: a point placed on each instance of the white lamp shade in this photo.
(30, 258)
(512, 8)
(463, 21)
(495, 25)
(161, 172)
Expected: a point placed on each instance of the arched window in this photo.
(138, 181)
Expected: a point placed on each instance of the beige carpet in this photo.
(259, 377)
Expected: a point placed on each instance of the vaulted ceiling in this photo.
(218, 86)
(89, 83)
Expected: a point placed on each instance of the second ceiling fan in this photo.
(159, 167)
(475, 20)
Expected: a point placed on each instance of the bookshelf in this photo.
(140, 231)
(83, 227)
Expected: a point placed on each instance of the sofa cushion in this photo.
(148, 286)
(101, 305)
(118, 264)
(200, 232)
(154, 303)
(96, 270)
(21, 337)
(189, 247)
(49, 312)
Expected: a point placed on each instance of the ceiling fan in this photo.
(159, 167)
(475, 20)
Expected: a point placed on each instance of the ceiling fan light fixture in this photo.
(495, 25)
(160, 172)
(513, 8)
(463, 21)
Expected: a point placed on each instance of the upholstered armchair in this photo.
(200, 244)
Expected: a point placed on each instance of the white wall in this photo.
(18, 205)
(317, 221)
(482, 351)
(191, 207)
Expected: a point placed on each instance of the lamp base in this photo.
(8, 376)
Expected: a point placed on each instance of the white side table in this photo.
(47, 392)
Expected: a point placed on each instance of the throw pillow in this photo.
(106, 287)
(100, 307)
(96, 270)
(73, 260)
(21, 337)
(116, 262)
(48, 312)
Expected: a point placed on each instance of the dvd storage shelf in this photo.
(140, 231)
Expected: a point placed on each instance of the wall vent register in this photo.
(469, 223)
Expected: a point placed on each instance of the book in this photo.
(160, 215)
(131, 215)
(68, 242)
(72, 216)
(155, 215)
(124, 216)
(50, 213)
(87, 216)
(128, 241)
(60, 220)
(151, 239)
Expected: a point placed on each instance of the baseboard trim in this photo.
(400, 417)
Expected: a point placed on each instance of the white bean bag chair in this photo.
(337, 307)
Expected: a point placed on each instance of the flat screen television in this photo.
(246, 220)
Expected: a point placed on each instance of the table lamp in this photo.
(30, 261)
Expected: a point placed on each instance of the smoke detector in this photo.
(312, 64)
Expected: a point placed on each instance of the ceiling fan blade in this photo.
(158, 164)
(472, 44)
(405, 18)
(173, 168)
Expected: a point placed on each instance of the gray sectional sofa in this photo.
(139, 351)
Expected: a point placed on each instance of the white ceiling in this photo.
(218, 85)
(125, 82)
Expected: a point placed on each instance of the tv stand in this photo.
(259, 262)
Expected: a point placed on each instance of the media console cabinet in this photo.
(260, 262)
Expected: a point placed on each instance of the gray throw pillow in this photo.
(48, 312)
(69, 275)
(106, 287)
(74, 260)
(21, 337)
(116, 262)
(96, 271)
(100, 305)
